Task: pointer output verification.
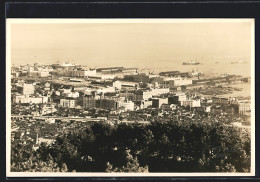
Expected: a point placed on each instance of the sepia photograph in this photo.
(130, 97)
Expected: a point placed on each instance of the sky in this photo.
(128, 44)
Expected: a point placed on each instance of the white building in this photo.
(69, 103)
(158, 102)
(145, 104)
(244, 106)
(44, 73)
(129, 106)
(48, 109)
(33, 100)
(117, 85)
(90, 72)
(64, 91)
(73, 94)
(25, 89)
(191, 103)
(179, 82)
(106, 89)
(147, 94)
(159, 91)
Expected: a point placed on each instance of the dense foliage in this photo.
(155, 147)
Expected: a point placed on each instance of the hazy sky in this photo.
(125, 44)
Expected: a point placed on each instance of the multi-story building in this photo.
(127, 95)
(145, 104)
(191, 103)
(43, 73)
(157, 102)
(73, 95)
(179, 82)
(168, 107)
(138, 78)
(47, 86)
(217, 100)
(69, 103)
(170, 73)
(244, 107)
(48, 109)
(89, 101)
(117, 85)
(142, 95)
(147, 94)
(176, 99)
(33, 71)
(106, 89)
(90, 72)
(23, 99)
(159, 91)
(25, 89)
(106, 104)
(128, 106)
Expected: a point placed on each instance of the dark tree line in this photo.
(156, 147)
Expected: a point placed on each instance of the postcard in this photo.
(130, 97)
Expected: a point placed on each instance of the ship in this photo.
(191, 63)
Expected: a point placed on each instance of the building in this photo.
(142, 95)
(106, 90)
(190, 103)
(137, 78)
(117, 85)
(158, 80)
(147, 94)
(23, 99)
(192, 87)
(25, 89)
(48, 109)
(64, 91)
(179, 82)
(158, 102)
(168, 107)
(33, 71)
(176, 99)
(110, 69)
(89, 101)
(129, 70)
(217, 100)
(90, 72)
(170, 73)
(73, 95)
(206, 109)
(47, 86)
(145, 104)
(43, 73)
(127, 95)
(244, 107)
(159, 91)
(69, 103)
(216, 109)
(128, 106)
(106, 104)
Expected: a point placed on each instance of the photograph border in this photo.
(253, 86)
(128, 21)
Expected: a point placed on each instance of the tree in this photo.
(132, 165)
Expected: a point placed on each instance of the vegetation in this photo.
(156, 147)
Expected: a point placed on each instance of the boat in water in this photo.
(191, 63)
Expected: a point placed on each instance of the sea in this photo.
(209, 67)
